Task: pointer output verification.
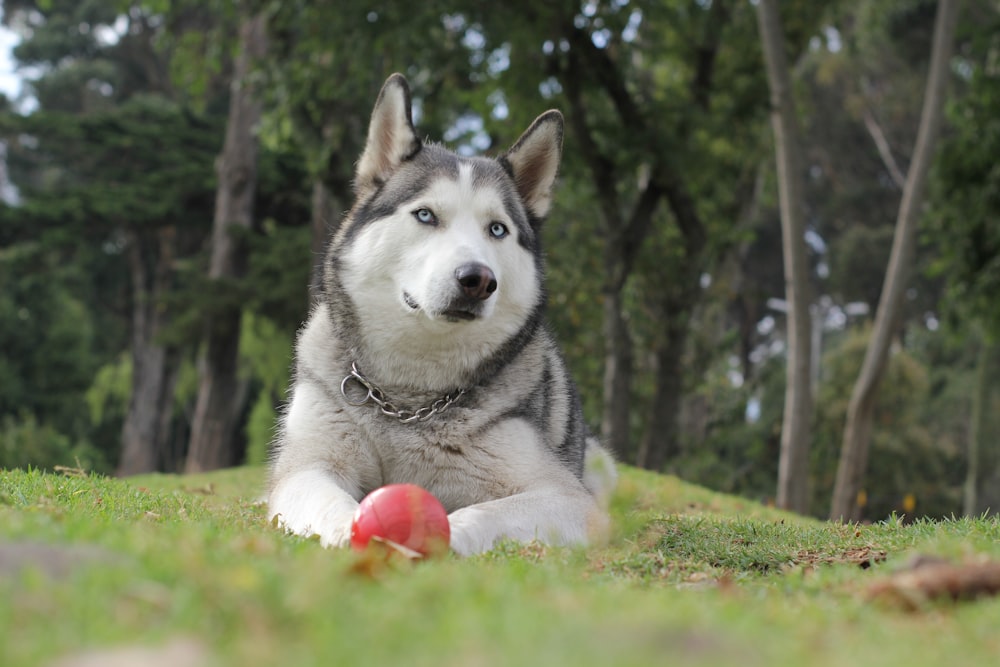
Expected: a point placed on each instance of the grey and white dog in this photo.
(427, 360)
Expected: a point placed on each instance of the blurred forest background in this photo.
(130, 341)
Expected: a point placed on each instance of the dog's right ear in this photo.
(391, 137)
(533, 162)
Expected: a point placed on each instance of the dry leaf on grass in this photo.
(930, 579)
(380, 556)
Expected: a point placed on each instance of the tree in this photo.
(966, 199)
(857, 431)
(624, 231)
(220, 392)
(327, 62)
(113, 175)
(981, 393)
(47, 336)
(793, 466)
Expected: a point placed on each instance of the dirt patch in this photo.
(54, 560)
(187, 652)
(863, 557)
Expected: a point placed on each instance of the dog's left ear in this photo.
(391, 137)
(533, 161)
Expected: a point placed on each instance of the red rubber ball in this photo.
(404, 514)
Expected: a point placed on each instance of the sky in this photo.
(10, 85)
(11, 78)
(10, 82)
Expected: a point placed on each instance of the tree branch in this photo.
(682, 206)
(857, 429)
(599, 63)
(639, 222)
(884, 150)
(601, 168)
(665, 180)
(706, 52)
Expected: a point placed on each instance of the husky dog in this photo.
(426, 359)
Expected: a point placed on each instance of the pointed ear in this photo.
(533, 161)
(391, 137)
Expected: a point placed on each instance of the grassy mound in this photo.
(186, 570)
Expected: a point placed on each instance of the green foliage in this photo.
(47, 339)
(727, 446)
(199, 41)
(906, 23)
(115, 175)
(325, 66)
(133, 183)
(25, 442)
(268, 353)
(574, 276)
(917, 441)
(906, 457)
(110, 390)
(966, 196)
(108, 399)
(859, 261)
(277, 280)
(147, 162)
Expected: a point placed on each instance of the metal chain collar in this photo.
(376, 396)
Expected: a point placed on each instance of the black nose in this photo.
(477, 280)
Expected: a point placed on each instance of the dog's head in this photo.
(440, 254)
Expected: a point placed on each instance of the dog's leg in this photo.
(310, 502)
(557, 516)
(599, 472)
(547, 502)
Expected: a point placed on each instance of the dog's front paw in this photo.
(335, 537)
(469, 534)
(330, 534)
(308, 503)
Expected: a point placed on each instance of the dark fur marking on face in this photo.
(490, 173)
(416, 173)
(411, 178)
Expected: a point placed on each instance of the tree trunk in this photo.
(657, 180)
(146, 429)
(324, 217)
(619, 259)
(674, 306)
(978, 419)
(623, 238)
(659, 441)
(617, 404)
(213, 427)
(793, 462)
(857, 432)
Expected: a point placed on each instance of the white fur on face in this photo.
(398, 256)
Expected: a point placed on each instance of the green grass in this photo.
(689, 578)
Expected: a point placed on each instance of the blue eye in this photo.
(425, 216)
(498, 230)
